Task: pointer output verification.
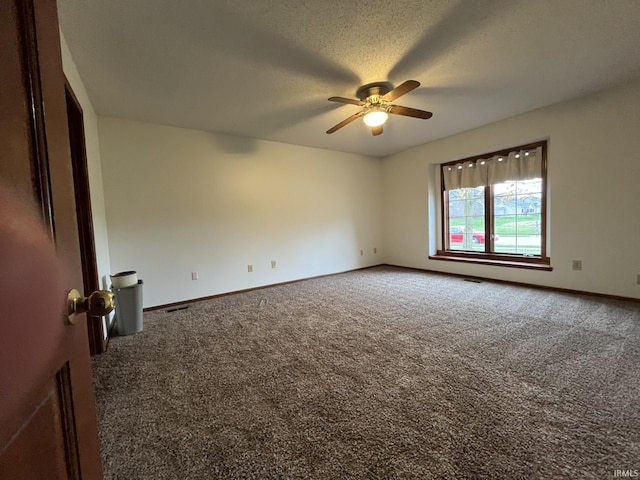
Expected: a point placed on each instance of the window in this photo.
(494, 208)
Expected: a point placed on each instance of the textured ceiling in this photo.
(264, 69)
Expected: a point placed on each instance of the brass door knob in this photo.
(98, 304)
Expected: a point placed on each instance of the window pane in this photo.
(517, 217)
(466, 219)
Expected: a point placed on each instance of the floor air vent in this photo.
(175, 309)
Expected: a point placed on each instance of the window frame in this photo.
(488, 256)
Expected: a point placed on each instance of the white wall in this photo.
(183, 200)
(93, 165)
(594, 193)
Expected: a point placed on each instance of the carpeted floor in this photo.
(379, 373)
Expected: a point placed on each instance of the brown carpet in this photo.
(379, 373)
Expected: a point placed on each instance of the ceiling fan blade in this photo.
(401, 89)
(410, 112)
(376, 130)
(344, 122)
(350, 101)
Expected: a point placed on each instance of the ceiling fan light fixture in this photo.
(375, 117)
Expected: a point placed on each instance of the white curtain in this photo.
(517, 165)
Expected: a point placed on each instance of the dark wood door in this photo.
(47, 408)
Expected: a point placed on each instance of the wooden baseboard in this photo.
(199, 299)
(521, 284)
(472, 277)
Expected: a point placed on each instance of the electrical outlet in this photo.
(638, 280)
(361, 252)
(577, 264)
(249, 268)
(194, 275)
(273, 264)
(375, 250)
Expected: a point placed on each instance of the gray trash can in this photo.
(128, 309)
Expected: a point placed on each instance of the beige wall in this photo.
(594, 193)
(183, 200)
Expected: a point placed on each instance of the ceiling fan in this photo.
(376, 99)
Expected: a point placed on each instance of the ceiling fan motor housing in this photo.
(376, 89)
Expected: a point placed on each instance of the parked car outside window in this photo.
(456, 235)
